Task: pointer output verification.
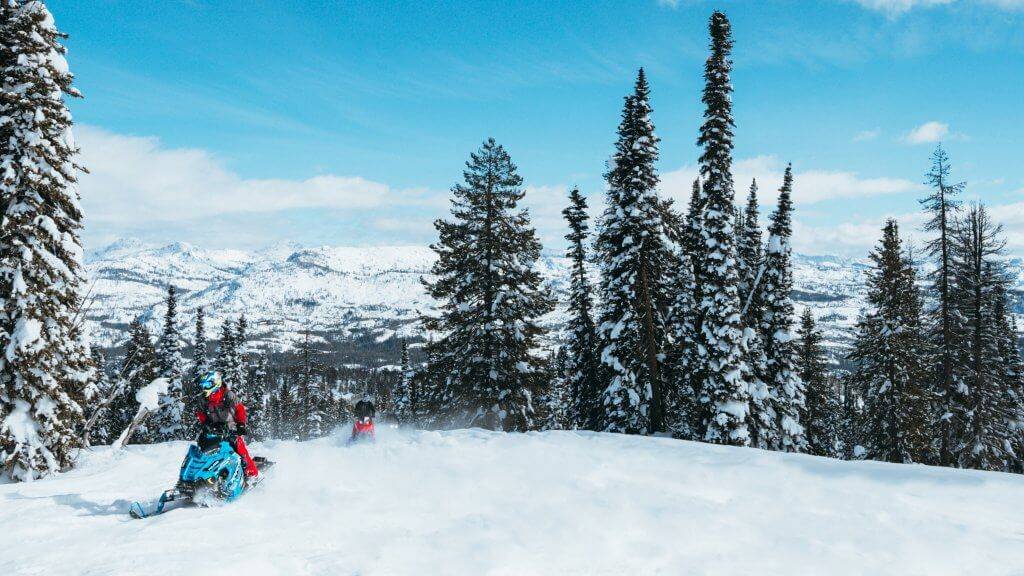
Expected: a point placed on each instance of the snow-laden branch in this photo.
(148, 398)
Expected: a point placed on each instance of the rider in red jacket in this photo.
(223, 408)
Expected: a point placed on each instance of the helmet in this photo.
(210, 383)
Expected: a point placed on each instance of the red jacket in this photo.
(222, 407)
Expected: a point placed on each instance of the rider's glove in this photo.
(241, 429)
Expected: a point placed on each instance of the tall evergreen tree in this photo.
(169, 423)
(103, 431)
(750, 256)
(200, 365)
(724, 393)
(582, 369)
(942, 206)
(200, 352)
(634, 260)
(139, 368)
(405, 397)
(228, 362)
(821, 415)
(45, 371)
(982, 409)
(774, 325)
(1012, 378)
(258, 388)
(288, 410)
(889, 355)
(490, 296)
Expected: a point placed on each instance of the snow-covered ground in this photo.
(477, 503)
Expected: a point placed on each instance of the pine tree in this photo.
(310, 407)
(785, 389)
(228, 361)
(982, 408)
(581, 362)
(489, 298)
(285, 406)
(1012, 378)
(889, 355)
(941, 318)
(139, 368)
(634, 262)
(257, 386)
(45, 372)
(169, 423)
(750, 256)
(405, 398)
(821, 414)
(103, 431)
(725, 391)
(200, 365)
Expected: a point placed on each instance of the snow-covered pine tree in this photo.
(774, 327)
(139, 368)
(169, 423)
(725, 390)
(200, 365)
(103, 431)
(405, 396)
(257, 387)
(228, 362)
(289, 410)
(45, 372)
(1012, 377)
(489, 296)
(889, 358)
(981, 408)
(200, 351)
(684, 414)
(821, 413)
(582, 369)
(310, 406)
(750, 253)
(634, 258)
(941, 321)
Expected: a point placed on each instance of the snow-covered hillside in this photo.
(346, 290)
(475, 502)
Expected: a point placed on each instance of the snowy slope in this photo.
(346, 290)
(476, 503)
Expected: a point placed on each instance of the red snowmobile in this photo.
(362, 428)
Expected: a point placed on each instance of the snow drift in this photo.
(475, 502)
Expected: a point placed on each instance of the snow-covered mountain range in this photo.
(345, 291)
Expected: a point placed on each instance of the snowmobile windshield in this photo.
(210, 441)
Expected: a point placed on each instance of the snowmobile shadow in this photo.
(115, 508)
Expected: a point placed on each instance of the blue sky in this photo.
(242, 124)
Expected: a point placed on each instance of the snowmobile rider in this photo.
(364, 413)
(222, 408)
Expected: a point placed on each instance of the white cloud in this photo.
(897, 7)
(809, 186)
(929, 132)
(867, 135)
(137, 178)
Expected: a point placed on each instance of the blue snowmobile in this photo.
(210, 474)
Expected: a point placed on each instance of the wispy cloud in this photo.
(867, 135)
(809, 186)
(898, 7)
